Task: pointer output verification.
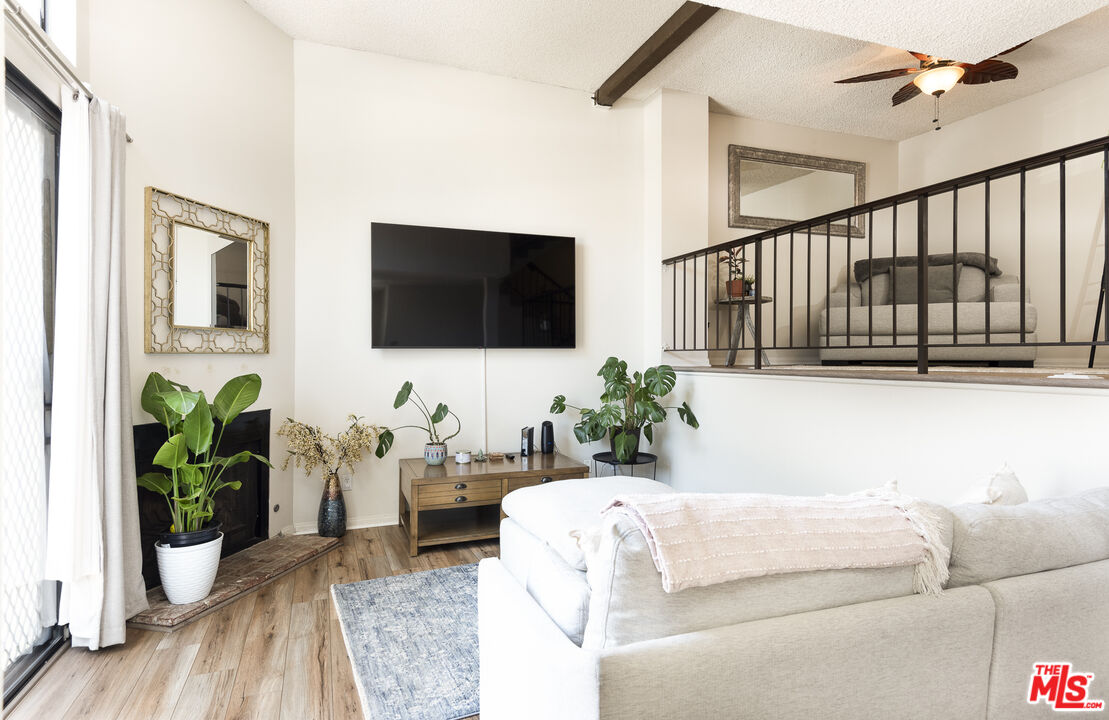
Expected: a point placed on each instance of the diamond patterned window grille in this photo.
(26, 603)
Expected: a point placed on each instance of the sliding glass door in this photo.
(29, 633)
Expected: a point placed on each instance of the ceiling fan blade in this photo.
(923, 57)
(908, 92)
(987, 71)
(1015, 47)
(883, 75)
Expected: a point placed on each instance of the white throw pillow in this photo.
(1003, 488)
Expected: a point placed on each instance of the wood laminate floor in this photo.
(276, 653)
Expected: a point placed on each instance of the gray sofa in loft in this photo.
(958, 298)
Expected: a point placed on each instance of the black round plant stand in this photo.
(608, 459)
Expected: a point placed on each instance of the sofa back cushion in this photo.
(876, 290)
(627, 603)
(997, 541)
(972, 285)
(942, 282)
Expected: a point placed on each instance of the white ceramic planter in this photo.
(188, 572)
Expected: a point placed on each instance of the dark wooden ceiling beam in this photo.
(682, 24)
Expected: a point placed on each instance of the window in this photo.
(29, 634)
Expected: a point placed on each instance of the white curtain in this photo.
(93, 528)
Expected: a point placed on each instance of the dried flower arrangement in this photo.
(309, 446)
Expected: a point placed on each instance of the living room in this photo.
(322, 119)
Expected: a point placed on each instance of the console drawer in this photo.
(448, 494)
(515, 483)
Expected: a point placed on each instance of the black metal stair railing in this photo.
(690, 277)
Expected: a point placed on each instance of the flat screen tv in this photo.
(445, 288)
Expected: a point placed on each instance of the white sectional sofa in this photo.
(567, 633)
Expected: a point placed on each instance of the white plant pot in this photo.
(188, 572)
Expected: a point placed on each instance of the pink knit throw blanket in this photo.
(699, 539)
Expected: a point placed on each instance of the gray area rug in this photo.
(412, 641)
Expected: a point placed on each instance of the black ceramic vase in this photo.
(332, 521)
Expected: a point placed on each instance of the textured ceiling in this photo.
(569, 43)
(767, 70)
(956, 29)
(749, 66)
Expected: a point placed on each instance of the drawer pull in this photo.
(460, 498)
(546, 479)
(460, 486)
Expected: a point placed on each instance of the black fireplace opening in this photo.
(243, 513)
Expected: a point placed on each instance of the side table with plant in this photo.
(435, 450)
(188, 554)
(630, 406)
(310, 447)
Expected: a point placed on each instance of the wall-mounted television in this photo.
(448, 288)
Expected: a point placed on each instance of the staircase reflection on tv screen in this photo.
(438, 287)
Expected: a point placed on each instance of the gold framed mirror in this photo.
(207, 278)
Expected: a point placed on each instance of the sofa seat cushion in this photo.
(627, 603)
(971, 317)
(553, 511)
(559, 589)
(997, 541)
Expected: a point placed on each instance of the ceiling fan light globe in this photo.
(938, 80)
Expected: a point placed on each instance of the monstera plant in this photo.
(193, 475)
(630, 405)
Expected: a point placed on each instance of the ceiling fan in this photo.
(937, 75)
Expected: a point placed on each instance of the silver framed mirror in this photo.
(771, 188)
(207, 278)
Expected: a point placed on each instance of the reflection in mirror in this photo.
(211, 279)
(792, 193)
(771, 188)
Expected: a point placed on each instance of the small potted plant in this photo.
(188, 553)
(736, 281)
(630, 406)
(310, 446)
(435, 451)
(749, 285)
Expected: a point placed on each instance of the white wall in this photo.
(207, 87)
(1064, 115)
(384, 139)
(810, 436)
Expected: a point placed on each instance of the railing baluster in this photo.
(674, 305)
(685, 314)
(870, 281)
(989, 264)
(954, 265)
(847, 286)
(1063, 250)
(808, 290)
(922, 285)
(694, 302)
(1023, 269)
(828, 283)
(773, 305)
(893, 277)
(758, 305)
(792, 272)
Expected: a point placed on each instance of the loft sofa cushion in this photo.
(552, 511)
(941, 280)
(997, 541)
(864, 268)
(876, 290)
(1004, 318)
(972, 285)
(560, 590)
(627, 603)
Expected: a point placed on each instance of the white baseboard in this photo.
(365, 521)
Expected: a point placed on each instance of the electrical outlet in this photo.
(347, 482)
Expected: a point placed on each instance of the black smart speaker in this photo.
(546, 438)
